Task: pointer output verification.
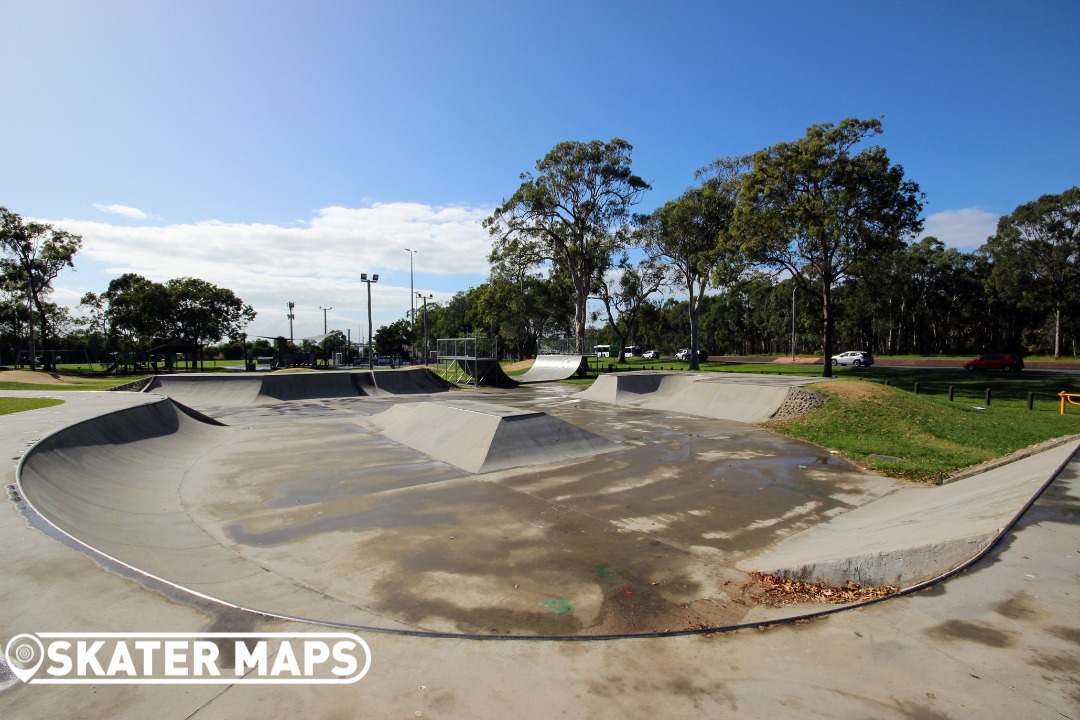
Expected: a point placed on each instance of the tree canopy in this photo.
(572, 214)
(34, 254)
(1036, 255)
(692, 237)
(822, 210)
(143, 313)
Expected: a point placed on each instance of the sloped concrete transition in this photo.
(377, 500)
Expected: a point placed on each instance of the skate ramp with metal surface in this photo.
(488, 372)
(481, 437)
(551, 368)
(739, 397)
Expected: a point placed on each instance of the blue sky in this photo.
(281, 148)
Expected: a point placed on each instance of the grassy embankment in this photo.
(923, 436)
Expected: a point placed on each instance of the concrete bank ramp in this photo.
(205, 389)
(481, 437)
(729, 396)
(916, 533)
(406, 381)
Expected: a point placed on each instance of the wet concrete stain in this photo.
(1015, 608)
(972, 632)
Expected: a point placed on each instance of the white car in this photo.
(651, 354)
(854, 357)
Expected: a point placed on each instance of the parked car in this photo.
(996, 361)
(684, 354)
(651, 354)
(854, 357)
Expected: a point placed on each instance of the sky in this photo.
(280, 149)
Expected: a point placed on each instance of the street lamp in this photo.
(374, 279)
(291, 305)
(412, 304)
(324, 330)
(424, 299)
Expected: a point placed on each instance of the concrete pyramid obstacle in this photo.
(481, 437)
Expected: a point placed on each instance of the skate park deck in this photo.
(402, 530)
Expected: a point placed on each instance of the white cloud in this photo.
(315, 262)
(124, 210)
(964, 229)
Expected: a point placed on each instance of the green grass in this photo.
(71, 383)
(928, 435)
(14, 405)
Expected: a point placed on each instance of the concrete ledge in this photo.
(917, 533)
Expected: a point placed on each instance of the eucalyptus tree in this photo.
(692, 237)
(821, 209)
(34, 254)
(1036, 252)
(571, 215)
(625, 293)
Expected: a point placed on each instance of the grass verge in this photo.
(69, 383)
(922, 437)
(14, 405)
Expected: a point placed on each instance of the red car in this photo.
(996, 361)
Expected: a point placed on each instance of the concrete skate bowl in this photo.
(646, 525)
(199, 390)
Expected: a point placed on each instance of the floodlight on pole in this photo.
(424, 299)
(374, 279)
(292, 317)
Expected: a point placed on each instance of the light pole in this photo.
(291, 305)
(412, 303)
(324, 330)
(424, 299)
(374, 279)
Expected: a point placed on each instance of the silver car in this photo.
(854, 357)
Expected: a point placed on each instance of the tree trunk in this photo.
(694, 308)
(1057, 332)
(826, 301)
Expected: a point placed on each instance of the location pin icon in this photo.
(24, 655)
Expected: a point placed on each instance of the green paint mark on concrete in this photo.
(606, 572)
(557, 606)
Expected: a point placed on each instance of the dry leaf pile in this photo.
(777, 591)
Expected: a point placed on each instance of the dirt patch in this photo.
(854, 389)
(31, 378)
(520, 365)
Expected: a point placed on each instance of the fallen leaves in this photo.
(777, 591)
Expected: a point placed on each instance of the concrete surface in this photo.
(743, 398)
(998, 640)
